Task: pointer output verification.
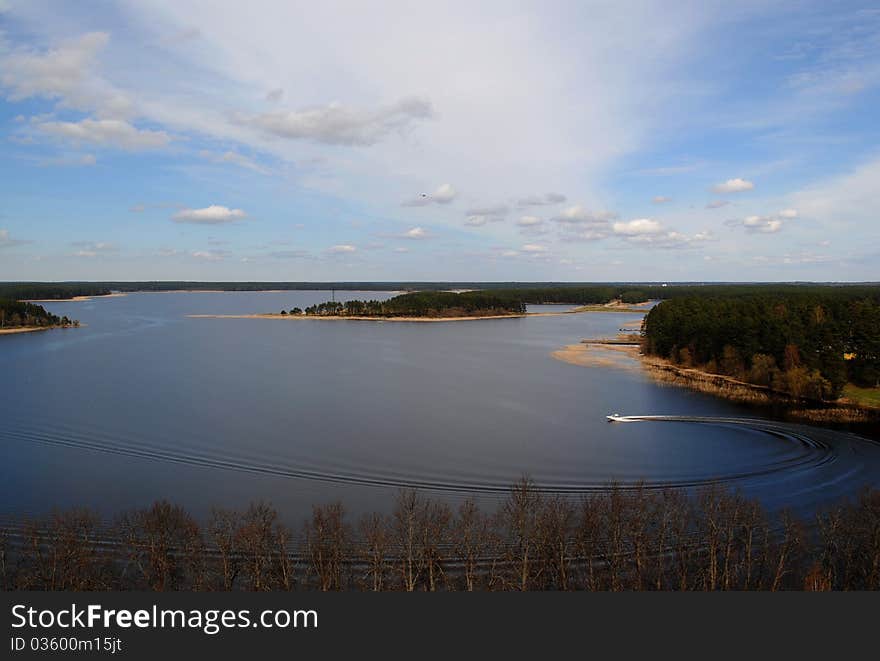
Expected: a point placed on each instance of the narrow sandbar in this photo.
(26, 329)
(76, 299)
(620, 356)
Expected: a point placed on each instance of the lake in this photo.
(144, 403)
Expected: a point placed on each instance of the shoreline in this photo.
(28, 329)
(354, 318)
(601, 353)
(380, 319)
(75, 299)
(730, 388)
(608, 307)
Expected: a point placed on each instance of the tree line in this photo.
(804, 343)
(424, 304)
(584, 293)
(618, 539)
(15, 314)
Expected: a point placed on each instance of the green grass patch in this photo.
(862, 396)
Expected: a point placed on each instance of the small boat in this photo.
(615, 417)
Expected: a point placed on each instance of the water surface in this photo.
(144, 403)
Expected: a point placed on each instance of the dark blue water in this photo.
(144, 402)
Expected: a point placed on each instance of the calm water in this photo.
(144, 403)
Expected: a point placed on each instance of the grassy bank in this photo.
(847, 409)
(866, 397)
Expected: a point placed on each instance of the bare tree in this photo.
(165, 545)
(472, 539)
(375, 544)
(556, 524)
(434, 523)
(519, 520)
(328, 541)
(264, 545)
(586, 540)
(223, 533)
(406, 526)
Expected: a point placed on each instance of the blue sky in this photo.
(467, 141)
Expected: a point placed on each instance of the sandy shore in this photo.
(620, 356)
(26, 329)
(610, 308)
(74, 299)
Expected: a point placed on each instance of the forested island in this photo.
(423, 304)
(813, 343)
(18, 316)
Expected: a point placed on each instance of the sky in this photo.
(469, 141)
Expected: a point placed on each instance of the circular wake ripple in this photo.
(812, 448)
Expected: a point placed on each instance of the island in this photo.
(426, 305)
(439, 306)
(22, 317)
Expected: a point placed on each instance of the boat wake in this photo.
(809, 458)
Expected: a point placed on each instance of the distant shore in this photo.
(74, 298)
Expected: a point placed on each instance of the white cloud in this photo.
(733, 186)
(53, 74)
(210, 255)
(7, 241)
(541, 200)
(342, 249)
(637, 227)
(647, 231)
(106, 133)
(480, 216)
(588, 233)
(764, 224)
(529, 221)
(843, 200)
(212, 215)
(67, 74)
(717, 204)
(444, 194)
(93, 249)
(336, 124)
(84, 160)
(661, 199)
(533, 248)
(577, 215)
(805, 257)
(415, 233)
(234, 158)
(669, 239)
(290, 254)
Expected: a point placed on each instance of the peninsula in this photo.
(21, 317)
